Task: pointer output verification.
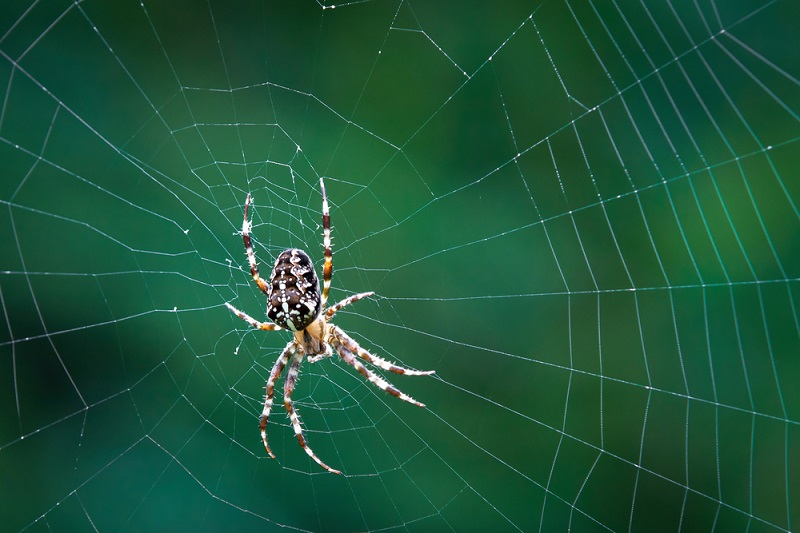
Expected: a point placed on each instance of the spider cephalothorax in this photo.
(295, 302)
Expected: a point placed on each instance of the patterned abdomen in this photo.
(294, 299)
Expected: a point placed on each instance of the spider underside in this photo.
(295, 302)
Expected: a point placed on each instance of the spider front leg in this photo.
(275, 374)
(350, 358)
(344, 339)
(288, 387)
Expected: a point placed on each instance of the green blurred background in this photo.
(582, 215)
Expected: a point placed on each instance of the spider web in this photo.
(583, 215)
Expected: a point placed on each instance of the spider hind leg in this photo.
(327, 269)
(347, 301)
(266, 326)
(247, 225)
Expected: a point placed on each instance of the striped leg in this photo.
(288, 387)
(327, 270)
(374, 378)
(347, 301)
(247, 226)
(344, 339)
(266, 326)
(275, 374)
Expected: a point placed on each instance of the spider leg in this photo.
(266, 326)
(350, 358)
(247, 225)
(288, 387)
(275, 374)
(327, 269)
(347, 301)
(343, 338)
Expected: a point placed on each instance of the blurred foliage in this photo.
(582, 215)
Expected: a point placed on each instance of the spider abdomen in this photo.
(294, 299)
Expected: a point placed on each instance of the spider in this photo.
(294, 302)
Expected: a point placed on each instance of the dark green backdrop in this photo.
(583, 215)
